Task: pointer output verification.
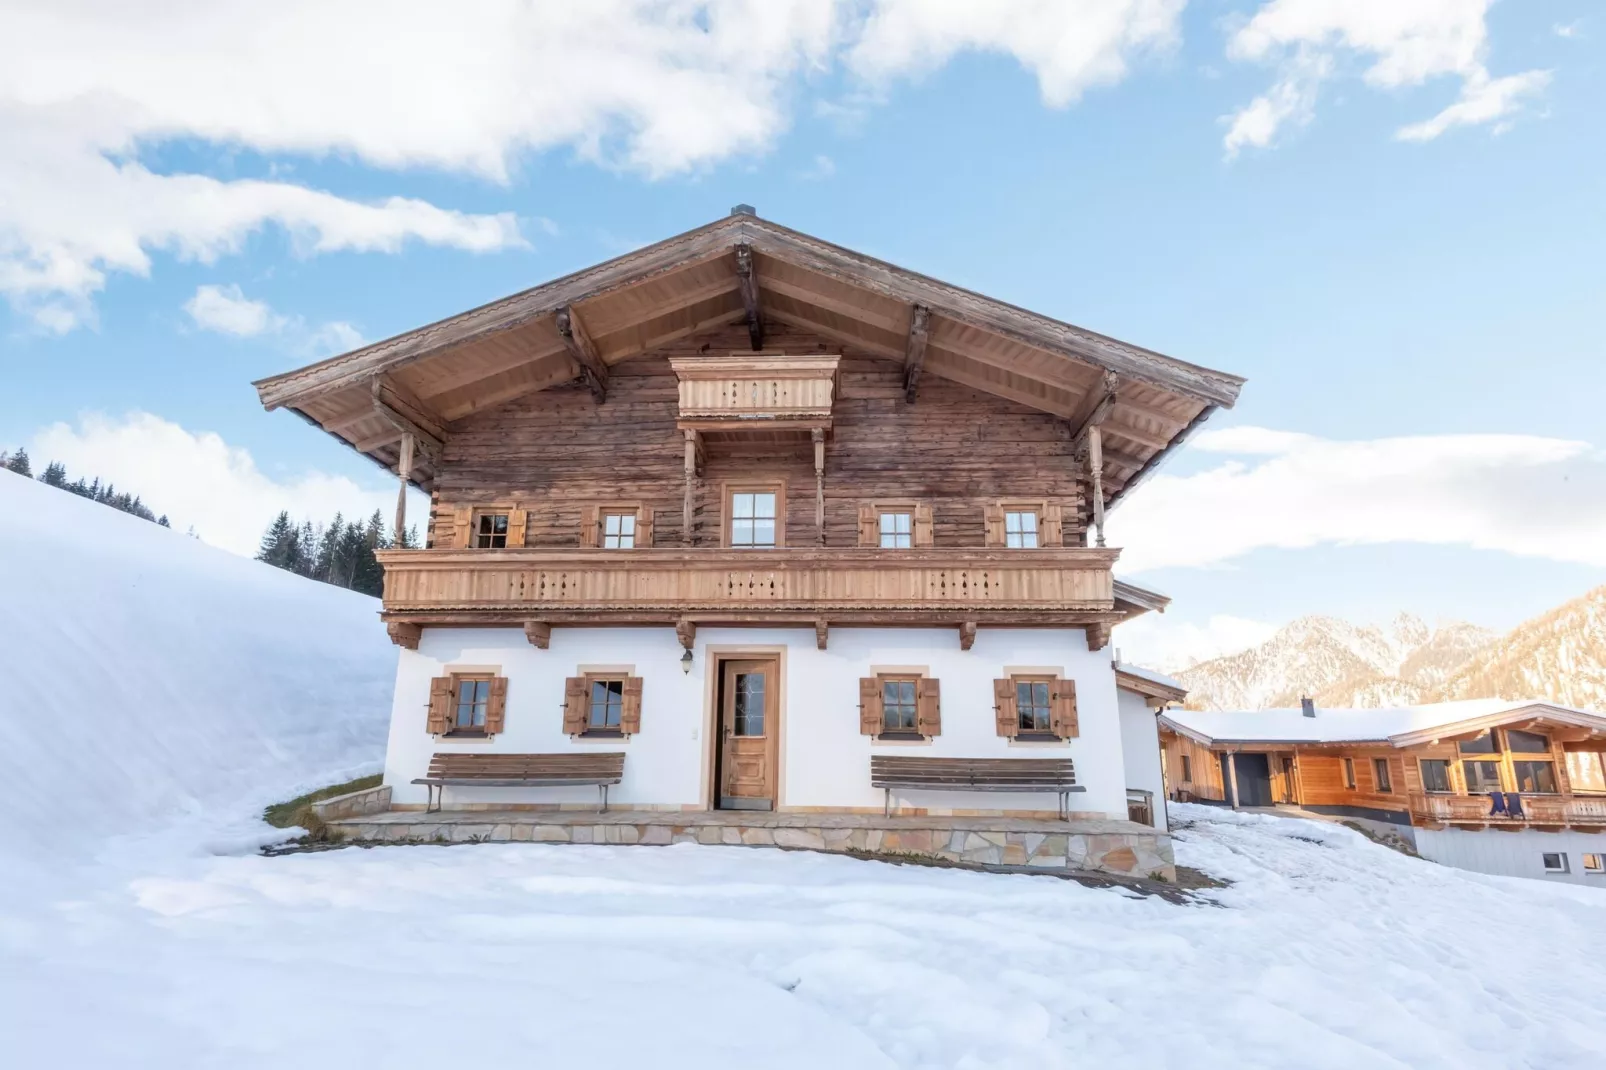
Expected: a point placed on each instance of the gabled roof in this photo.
(1400, 726)
(1148, 683)
(746, 268)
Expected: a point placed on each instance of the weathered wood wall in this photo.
(557, 452)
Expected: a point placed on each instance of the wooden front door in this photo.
(749, 734)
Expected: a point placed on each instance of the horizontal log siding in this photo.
(556, 451)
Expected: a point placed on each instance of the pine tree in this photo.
(163, 521)
(18, 463)
(278, 542)
(328, 546)
(55, 475)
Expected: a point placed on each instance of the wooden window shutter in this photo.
(924, 529)
(870, 715)
(644, 528)
(516, 523)
(630, 714)
(496, 707)
(590, 526)
(440, 705)
(575, 711)
(1004, 708)
(928, 707)
(1053, 532)
(463, 526)
(869, 527)
(1062, 719)
(994, 517)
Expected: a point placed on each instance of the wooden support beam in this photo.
(1232, 778)
(818, 434)
(539, 633)
(967, 634)
(407, 415)
(689, 504)
(747, 281)
(404, 634)
(686, 632)
(1098, 637)
(404, 470)
(584, 352)
(1141, 437)
(822, 632)
(1096, 409)
(1095, 472)
(914, 357)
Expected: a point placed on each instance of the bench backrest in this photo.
(602, 765)
(891, 770)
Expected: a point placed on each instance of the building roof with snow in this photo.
(1150, 684)
(1398, 726)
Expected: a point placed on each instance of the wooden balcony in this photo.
(1583, 810)
(963, 587)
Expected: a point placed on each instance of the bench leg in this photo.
(429, 798)
(604, 790)
(886, 810)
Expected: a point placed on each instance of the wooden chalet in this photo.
(1532, 771)
(753, 509)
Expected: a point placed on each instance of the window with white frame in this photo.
(753, 519)
(896, 529)
(1020, 529)
(619, 530)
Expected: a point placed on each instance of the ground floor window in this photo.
(1349, 773)
(607, 704)
(1595, 865)
(898, 704)
(1032, 704)
(1481, 777)
(1555, 862)
(1187, 770)
(1536, 777)
(1435, 774)
(473, 702)
(1380, 773)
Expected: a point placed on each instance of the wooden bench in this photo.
(975, 774)
(521, 770)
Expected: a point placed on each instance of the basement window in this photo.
(1595, 865)
(1554, 862)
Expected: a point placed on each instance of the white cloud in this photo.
(1568, 29)
(657, 87)
(227, 310)
(199, 480)
(1521, 494)
(821, 169)
(1069, 45)
(1404, 42)
(1160, 641)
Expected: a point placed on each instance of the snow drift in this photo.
(152, 678)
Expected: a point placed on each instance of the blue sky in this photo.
(1392, 294)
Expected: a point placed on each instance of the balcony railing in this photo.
(1043, 586)
(1536, 809)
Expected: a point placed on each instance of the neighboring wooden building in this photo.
(1532, 771)
(752, 508)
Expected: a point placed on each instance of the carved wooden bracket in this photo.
(747, 282)
(404, 634)
(578, 342)
(539, 633)
(967, 635)
(914, 357)
(822, 632)
(686, 632)
(1098, 636)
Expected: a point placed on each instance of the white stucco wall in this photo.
(1140, 750)
(1513, 854)
(824, 758)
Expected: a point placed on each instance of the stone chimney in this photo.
(1307, 706)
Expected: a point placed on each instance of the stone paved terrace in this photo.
(1110, 846)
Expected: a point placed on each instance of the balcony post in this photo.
(1095, 471)
(688, 507)
(819, 485)
(404, 469)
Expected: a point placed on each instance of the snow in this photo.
(128, 943)
(1341, 725)
(1151, 675)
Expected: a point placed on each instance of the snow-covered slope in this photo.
(150, 677)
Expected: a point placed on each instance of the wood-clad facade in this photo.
(766, 453)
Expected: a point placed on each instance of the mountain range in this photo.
(1560, 656)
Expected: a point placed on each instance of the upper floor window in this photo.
(619, 530)
(1587, 770)
(1482, 743)
(897, 530)
(1481, 777)
(1435, 774)
(1020, 529)
(490, 531)
(1526, 742)
(472, 704)
(753, 519)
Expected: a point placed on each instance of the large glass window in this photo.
(1482, 743)
(897, 531)
(1526, 742)
(1020, 530)
(1587, 770)
(1537, 777)
(1435, 774)
(1032, 705)
(752, 522)
(1481, 777)
(898, 705)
